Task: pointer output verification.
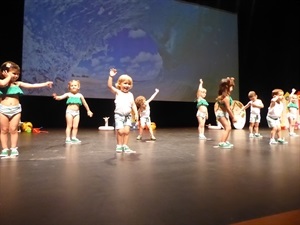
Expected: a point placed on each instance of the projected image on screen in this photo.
(167, 45)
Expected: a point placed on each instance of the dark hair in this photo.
(9, 65)
(225, 84)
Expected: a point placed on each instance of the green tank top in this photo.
(292, 105)
(202, 102)
(11, 90)
(74, 100)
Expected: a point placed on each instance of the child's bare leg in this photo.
(75, 126)
(13, 130)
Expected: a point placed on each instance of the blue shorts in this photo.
(122, 121)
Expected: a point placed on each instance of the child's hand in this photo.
(49, 84)
(112, 72)
(6, 74)
(234, 119)
(90, 114)
(54, 95)
(156, 90)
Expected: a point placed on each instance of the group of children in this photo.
(224, 113)
(126, 107)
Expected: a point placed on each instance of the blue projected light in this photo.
(167, 45)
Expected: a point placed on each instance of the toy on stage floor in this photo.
(106, 127)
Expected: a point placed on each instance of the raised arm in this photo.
(7, 77)
(200, 84)
(292, 93)
(199, 88)
(153, 96)
(112, 73)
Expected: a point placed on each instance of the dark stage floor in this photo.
(176, 180)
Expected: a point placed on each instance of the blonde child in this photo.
(293, 113)
(124, 104)
(10, 107)
(224, 112)
(255, 105)
(74, 101)
(202, 113)
(144, 114)
(274, 114)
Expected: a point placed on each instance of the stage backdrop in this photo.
(166, 44)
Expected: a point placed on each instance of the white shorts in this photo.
(273, 122)
(254, 118)
(145, 120)
(73, 112)
(10, 111)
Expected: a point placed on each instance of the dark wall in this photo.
(268, 52)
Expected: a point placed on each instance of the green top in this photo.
(202, 102)
(74, 100)
(292, 105)
(11, 90)
(230, 101)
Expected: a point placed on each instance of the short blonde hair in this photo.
(251, 94)
(277, 91)
(124, 78)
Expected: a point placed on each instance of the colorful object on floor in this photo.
(38, 130)
(27, 127)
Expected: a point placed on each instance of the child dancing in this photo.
(124, 104)
(144, 114)
(74, 101)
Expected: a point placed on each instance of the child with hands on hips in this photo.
(74, 101)
(144, 114)
(124, 104)
(10, 107)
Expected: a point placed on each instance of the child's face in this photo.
(125, 86)
(294, 98)
(253, 98)
(15, 74)
(280, 96)
(74, 87)
(203, 93)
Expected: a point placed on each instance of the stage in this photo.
(175, 180)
